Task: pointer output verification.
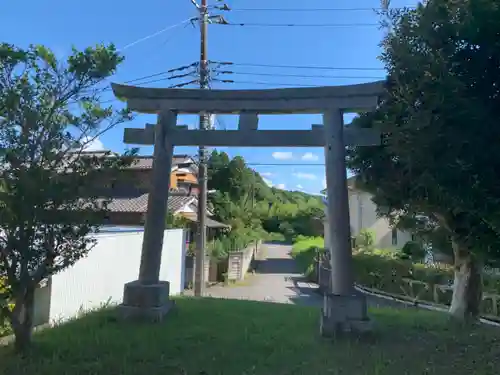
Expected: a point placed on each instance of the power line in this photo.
(286, 164)
(302, 24)
(155, 34)
(303, 75)
(312, 9)
(311, 67)
(265, 83)
(136, 80)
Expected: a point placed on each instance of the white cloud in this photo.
(266, 174)
(305, 176)
(280, 186)
(309, 156)
(268, 182)
(282, 155)
(300, 187)
(324, 183)
(94, 145)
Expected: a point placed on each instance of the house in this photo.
(129, 202)
(184, 175)
(363, 215)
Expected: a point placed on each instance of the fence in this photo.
(321, 272)
(232, 268)
(99, 278)
(411, 289)
(214, 269)
(239, 262)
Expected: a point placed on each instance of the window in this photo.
(413, 237)
(394, 236)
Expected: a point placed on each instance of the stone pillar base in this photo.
(148, 302)
(344, 314)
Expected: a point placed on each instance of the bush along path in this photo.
(384, 272)
(278, 279)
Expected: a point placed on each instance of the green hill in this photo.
(251, 207)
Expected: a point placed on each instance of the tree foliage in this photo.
(250, 206)
(441, 112)
(50, 112)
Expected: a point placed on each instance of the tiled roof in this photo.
(175, 203)
(211, 223)
(146, 162)
(140, 203)
(142, 162)
(136, 204)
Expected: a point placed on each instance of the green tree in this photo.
(50, 112)
(440, 111)
(176, 221)
(217, 168)
(248, 204)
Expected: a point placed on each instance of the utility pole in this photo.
(204, 19)
(199, 283)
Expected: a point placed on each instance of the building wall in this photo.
(126, 218)
(99, 278)
(173, 180)
(363, 215)
(182, 177)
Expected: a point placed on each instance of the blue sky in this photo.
(59, 24)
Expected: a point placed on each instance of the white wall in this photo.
(114, 261)
(363, 215)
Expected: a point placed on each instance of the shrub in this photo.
(365, 239)
(385, 253)
(413, 250)
(217, 249)
(274, 236)
(302, 243)
(386, 273)
(305, 251)
(287, 229)
(383, 269)
(5, 328)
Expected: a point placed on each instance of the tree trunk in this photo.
(467, 285)
(22, 324)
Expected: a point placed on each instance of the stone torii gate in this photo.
(344, 309)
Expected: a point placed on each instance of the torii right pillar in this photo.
(344, 310)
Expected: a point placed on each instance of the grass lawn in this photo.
(210, 336)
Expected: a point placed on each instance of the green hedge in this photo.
(304, 251)
(387, 273)
(274, 236)
(385, 270)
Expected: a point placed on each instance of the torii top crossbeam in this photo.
(275, 101)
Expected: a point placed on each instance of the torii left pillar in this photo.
(148, 297)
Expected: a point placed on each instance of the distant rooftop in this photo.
(144, 162)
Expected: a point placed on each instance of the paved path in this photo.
(277, 279)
